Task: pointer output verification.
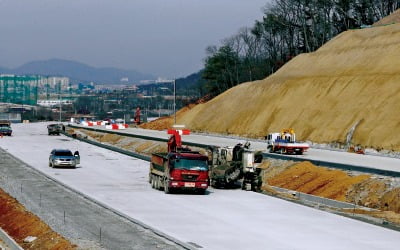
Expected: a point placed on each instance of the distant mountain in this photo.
(4, 70)
(78, 72)
(191, 81)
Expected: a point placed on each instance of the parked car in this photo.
(64, 158)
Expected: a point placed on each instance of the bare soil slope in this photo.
(353, 79)
(19, 224)
(365, 190)
(393, 18)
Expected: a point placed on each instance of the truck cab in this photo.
(285, 143)
(179, 170)
(5, 127)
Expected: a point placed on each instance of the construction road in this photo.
(368, 161)
(221, 219)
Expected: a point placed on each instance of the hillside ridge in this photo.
(353, 79)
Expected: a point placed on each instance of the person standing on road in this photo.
(137, 116)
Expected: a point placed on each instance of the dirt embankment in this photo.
(393, 18)
(167, 122)
(381, 193)
(19, 224)
(352, 81)
(128, 143)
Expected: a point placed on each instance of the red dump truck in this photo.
(180, 168)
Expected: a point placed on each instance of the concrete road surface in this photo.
(221, 219)
(371, 161)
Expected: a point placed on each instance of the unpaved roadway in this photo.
(221, 219)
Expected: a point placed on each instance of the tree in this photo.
(288, 28)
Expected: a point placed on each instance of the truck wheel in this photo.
(153, 182)
(160, 183)
(246, 186)
(155, 178)
(157, 183)
(167, 189)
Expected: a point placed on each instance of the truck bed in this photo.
(292, 144)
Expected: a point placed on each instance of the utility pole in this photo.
(60, 99)
(174, 101)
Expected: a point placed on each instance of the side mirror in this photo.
(76, 153)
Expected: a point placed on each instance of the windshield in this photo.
(63, 153)
(191, 164)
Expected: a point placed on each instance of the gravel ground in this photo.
(81, 221)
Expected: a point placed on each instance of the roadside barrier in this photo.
(104, 123)
(117, 126)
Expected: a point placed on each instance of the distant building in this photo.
(52, 103)
(53, 82)
(158, 80)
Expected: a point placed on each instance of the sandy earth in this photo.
(350, 82)
(19, 224)
(381, 193)
(393, 18)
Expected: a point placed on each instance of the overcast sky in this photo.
(165, 38)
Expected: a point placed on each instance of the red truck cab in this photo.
(180, 168)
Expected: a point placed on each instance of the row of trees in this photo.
(288, 28)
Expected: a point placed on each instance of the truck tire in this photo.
(167, 189)
(157, 183)
(153, 181)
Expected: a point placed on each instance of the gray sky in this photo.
(162, 37)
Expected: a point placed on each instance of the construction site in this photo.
(349, 84)
(343, 97)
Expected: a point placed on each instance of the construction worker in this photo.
(137, 116)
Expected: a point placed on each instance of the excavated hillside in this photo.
(350, 82)
(393, 18)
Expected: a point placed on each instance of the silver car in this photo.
(63, 158)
